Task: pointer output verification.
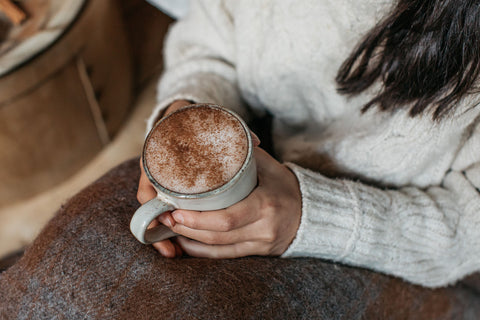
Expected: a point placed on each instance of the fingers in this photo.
(218, 227)
(167, 248)
(262, 224)
(234, 217)
(252, 232)
(242, 222)
(266, 164)
(201, 250)
(145, 190)
(233, 224)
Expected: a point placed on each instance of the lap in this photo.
(86, 264)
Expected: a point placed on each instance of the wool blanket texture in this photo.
(85, 264)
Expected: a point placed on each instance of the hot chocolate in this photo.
(196, 149)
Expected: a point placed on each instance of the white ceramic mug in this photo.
(236, 189)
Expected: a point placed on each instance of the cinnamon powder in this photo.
(196, 150)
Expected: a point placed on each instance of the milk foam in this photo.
(196, 150)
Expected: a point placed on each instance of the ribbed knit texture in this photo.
(418, 235)
(85, 264)
(384, 191)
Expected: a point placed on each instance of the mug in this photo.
(233, 191)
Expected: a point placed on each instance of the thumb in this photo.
(265, 162)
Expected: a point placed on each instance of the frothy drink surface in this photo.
(196, 150)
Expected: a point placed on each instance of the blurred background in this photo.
(77, 81)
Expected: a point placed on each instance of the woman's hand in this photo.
(146, 192)
(265, 223)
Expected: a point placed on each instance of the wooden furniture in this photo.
(67, 96)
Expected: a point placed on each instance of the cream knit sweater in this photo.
(384, 191)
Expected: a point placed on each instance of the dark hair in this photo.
(426, 54)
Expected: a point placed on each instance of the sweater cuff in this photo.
(160, 107)
(200, 88)
(330, 217)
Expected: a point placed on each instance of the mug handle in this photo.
(144, 216)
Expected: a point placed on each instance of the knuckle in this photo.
(270, 204)
(211, 238)
(227, 223)
(189, 221)
(265, 249)
(270, 236)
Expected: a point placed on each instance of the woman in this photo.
(375, 125)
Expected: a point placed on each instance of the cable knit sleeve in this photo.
(427, 236)
(200, 60)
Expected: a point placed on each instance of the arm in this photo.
(430, 237)
(198, 67)
(200, 60)
(427, 236)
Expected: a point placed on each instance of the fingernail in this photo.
(168, 223)
(178, 217)
(166, 220)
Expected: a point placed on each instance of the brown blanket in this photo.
(86, 265)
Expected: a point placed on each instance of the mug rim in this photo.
(210, 193)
